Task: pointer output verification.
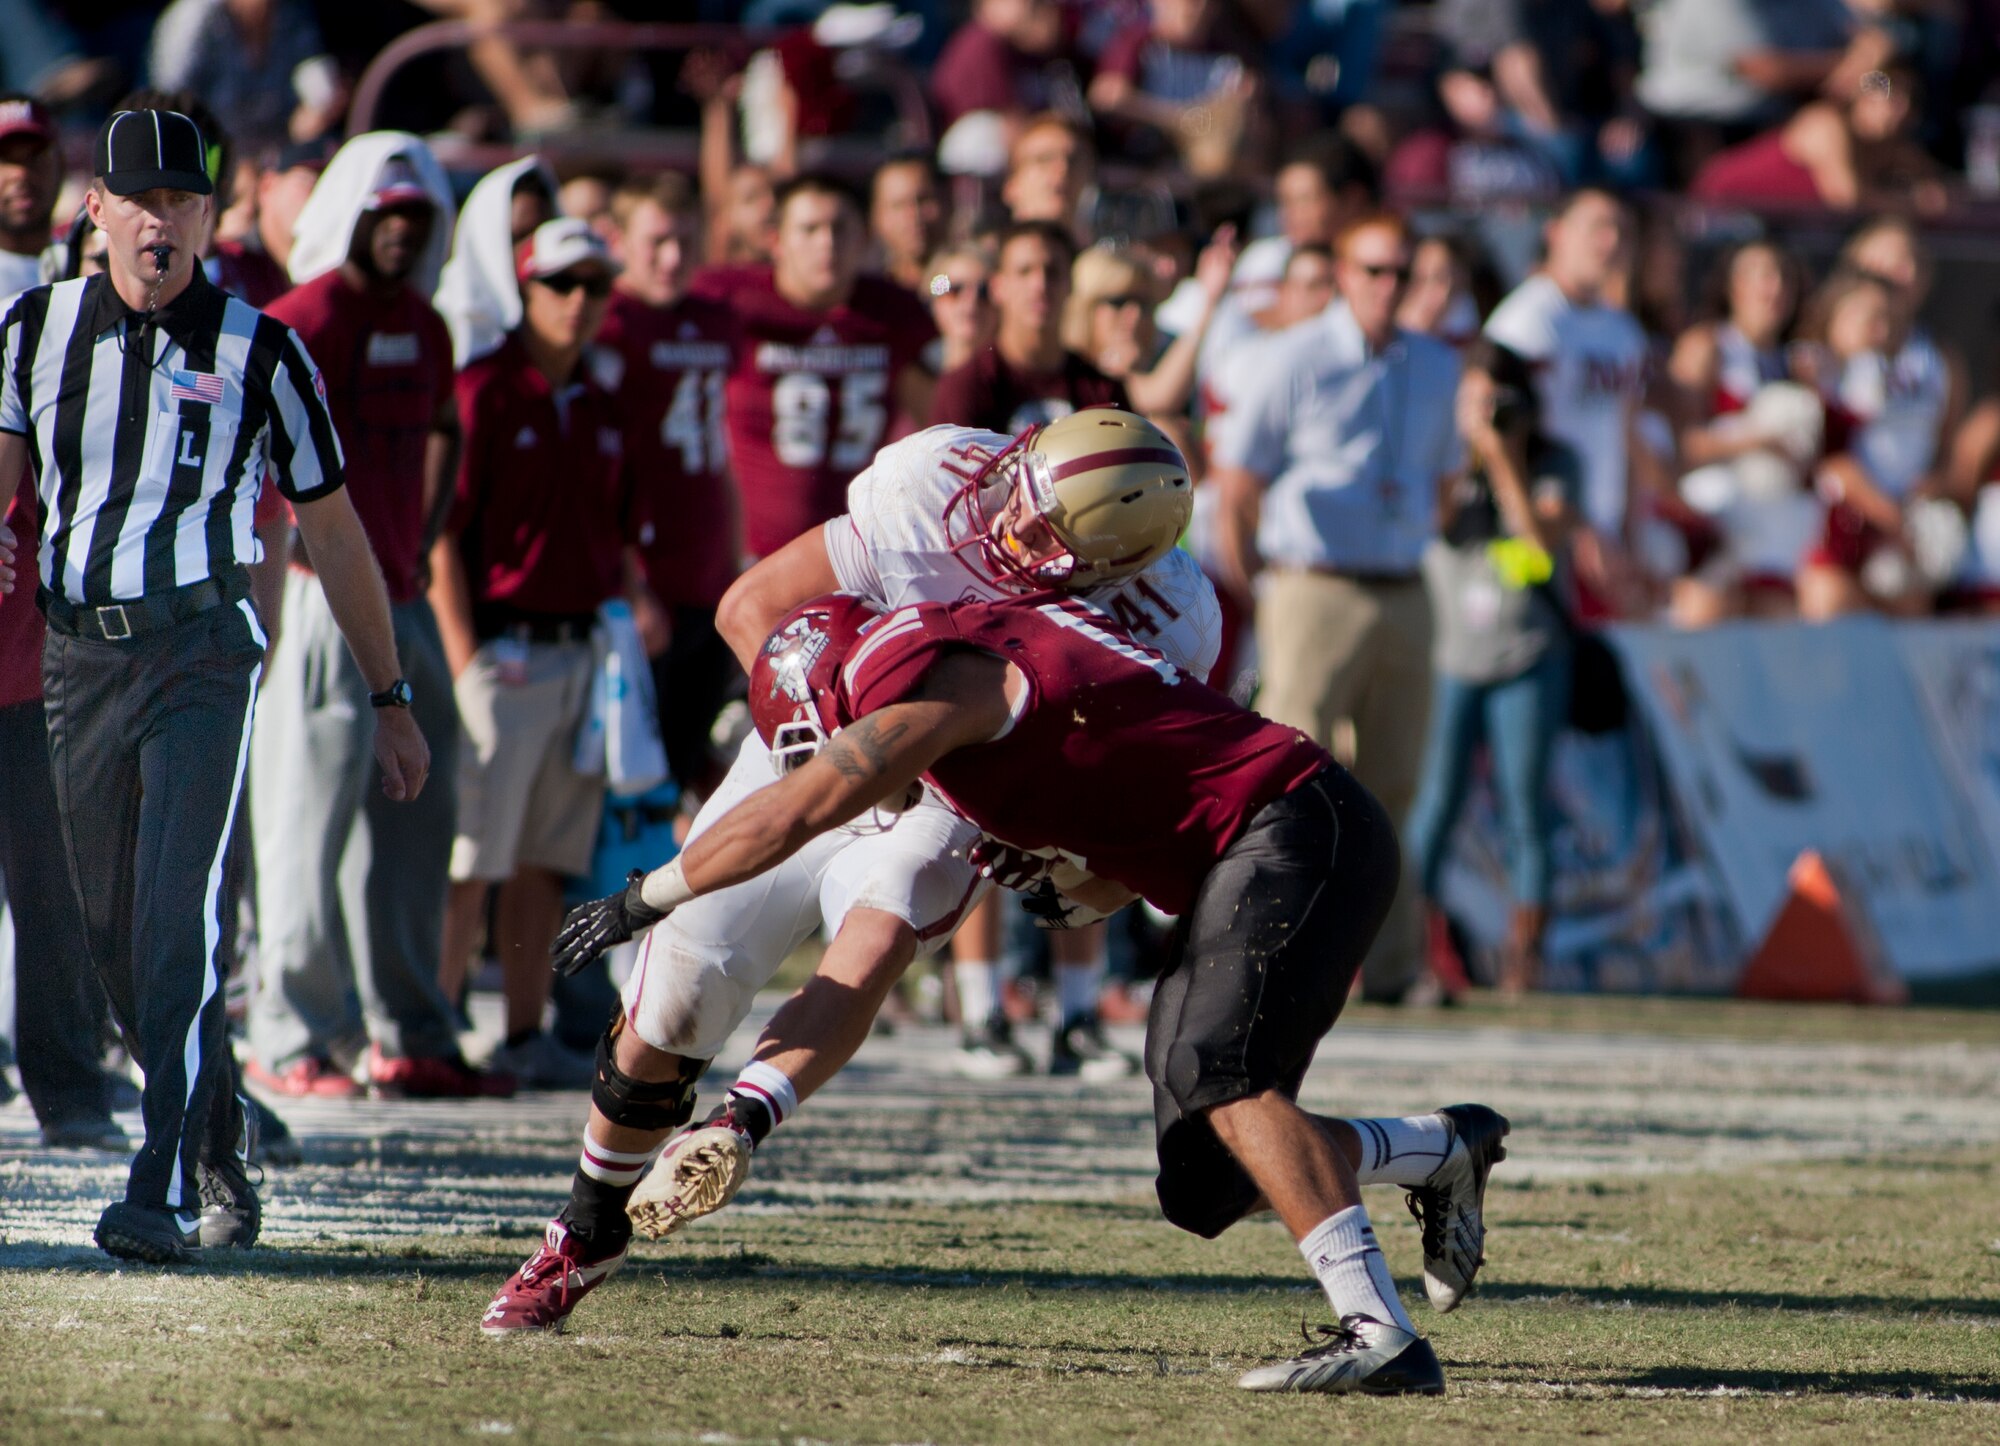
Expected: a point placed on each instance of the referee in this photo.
(152, 405)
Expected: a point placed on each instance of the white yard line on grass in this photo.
(899, 1126)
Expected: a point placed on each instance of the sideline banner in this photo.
(1779, 738)
(1955, 669)
(1632, 913)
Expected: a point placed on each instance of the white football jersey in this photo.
(893, 548)
(1590, 368)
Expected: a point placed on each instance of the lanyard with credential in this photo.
(1389, 418)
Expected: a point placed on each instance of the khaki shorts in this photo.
(520, 802)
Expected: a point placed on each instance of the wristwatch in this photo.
(396, 695)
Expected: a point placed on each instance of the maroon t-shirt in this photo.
(978, 70)
(541, 510)
(810, 396)
(989, 392)
(20, 620)
(387, 363)
(1120, 760)
(668, 367)
(248, 273)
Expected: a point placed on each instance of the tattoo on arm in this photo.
(865, 749)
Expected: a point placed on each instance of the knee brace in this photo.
(641, 1104)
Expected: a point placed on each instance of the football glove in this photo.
(1007, 866)
(1052, 909)
(602, 924)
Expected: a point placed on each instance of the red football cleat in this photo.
(541, 1294)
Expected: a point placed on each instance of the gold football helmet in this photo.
(1110, 488)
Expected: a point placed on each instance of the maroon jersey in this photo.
(668, 371)
(811, 394)
(1134, 769)
(387, 362)
(990, 393)
(20, 619)
(541, 510)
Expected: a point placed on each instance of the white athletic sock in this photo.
(1401, 1152)
(616, 1168)
(1077, 987)
(978, 991)
(1342, 1252)
(771, 1087)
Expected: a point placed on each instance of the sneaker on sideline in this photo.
(539, 1062)
(435, 1078)
(305, 1077)
(1080, 1048)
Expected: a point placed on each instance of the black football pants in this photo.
(147, 740)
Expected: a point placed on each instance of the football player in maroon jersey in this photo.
(666, 356)
(1281, 864)
(827, 357)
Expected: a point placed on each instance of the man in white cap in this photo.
(350, 899)
(537, 537)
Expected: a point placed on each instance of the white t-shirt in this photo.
(1900, 401)
(894, 548)
(1590, 370)
(17, 274)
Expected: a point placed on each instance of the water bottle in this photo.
(1982, 149)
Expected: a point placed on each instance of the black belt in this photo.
(1365, 577)
(519, 628)
(122, 621)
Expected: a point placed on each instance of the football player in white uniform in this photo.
(1093, 503)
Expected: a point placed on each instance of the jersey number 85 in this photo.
(802, 419)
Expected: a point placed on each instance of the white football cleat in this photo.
(1450, 1205)
(697, 1174)
(1359, 1354)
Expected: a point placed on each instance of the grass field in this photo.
(1719, 1221)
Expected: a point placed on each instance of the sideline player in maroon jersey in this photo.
(827, 358)
(1281, 865)
(666, 356)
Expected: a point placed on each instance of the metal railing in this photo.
(882, 73)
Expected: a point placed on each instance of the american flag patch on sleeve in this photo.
(196, 387)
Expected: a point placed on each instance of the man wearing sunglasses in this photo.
(535, 541)
(1329, 461)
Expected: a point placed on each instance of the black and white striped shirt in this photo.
(151, 440)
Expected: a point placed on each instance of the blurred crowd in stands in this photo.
(1663, 273)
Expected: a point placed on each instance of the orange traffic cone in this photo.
(1821, 946)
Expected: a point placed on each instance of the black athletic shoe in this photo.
(1359, 1354)
(231, 1214)
(1451, 1204)
(1080, 1048)
(989, 1052)
(152, 1233)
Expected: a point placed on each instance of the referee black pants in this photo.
(147, 740)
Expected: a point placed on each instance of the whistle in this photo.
(160, 253)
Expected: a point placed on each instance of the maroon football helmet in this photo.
(793, 679)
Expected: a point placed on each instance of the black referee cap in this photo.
(146, 150)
